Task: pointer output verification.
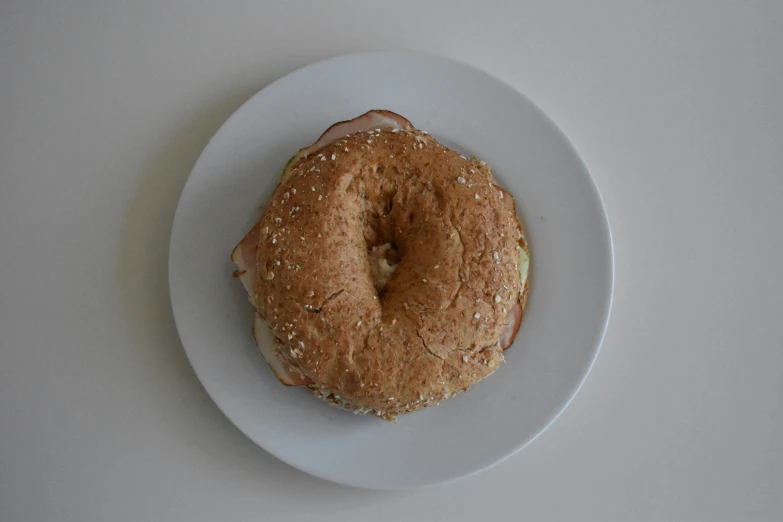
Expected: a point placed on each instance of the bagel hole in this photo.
(383, 262)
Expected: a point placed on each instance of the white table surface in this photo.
(676, 106)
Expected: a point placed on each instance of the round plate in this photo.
(571, 272)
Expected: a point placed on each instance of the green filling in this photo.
(524, 265)
(286, 170)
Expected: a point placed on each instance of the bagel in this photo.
(391, 270)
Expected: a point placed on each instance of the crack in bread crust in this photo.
(432, 329)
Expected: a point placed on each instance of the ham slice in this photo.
(244, 257)
(368, 121)
(513, 321)
(514, 318)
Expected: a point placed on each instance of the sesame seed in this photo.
(274, 241)
(463, 157)
(358, 324)
(323, 158)
(464, 358)
(476, 315)
(278, 220)
(497, 298)
(334, 157)
(312, 188)
(476, 195)
(394, 321)
(496, 256)
(346, 149)
(395, 130)
(320, 197)
(436, 266)
(369, 141)
(500, 194)
(460, 180)
(270, 275)
(277, 263)
(423, 280)
(311, 294)
(293, 191)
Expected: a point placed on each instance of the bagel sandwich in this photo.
(390, 269)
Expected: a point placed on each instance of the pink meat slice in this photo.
(244, 257)
(513, 321)
(514, 318)
(368, 121)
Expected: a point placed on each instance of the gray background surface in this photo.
(104, 108)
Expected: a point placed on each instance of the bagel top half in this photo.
(391, 270)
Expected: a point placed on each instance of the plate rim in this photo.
(607, 294)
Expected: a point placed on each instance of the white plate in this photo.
(571, 275)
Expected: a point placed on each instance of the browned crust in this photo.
(277, 359)
(435, 329)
